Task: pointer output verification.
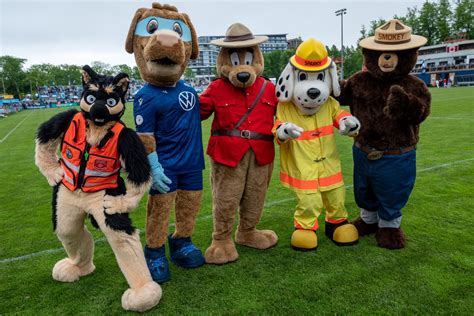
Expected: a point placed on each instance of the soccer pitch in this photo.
(434, 274)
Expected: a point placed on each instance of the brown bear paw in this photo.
(221, 251)
(259, 239)
(390, 238)
(143, 298)
(363, 228)
(66, 271)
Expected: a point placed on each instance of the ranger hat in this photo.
(393, 35)
(238, 35)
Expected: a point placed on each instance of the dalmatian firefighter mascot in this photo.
(310, 166)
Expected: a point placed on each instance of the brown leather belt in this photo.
(375, 154)
(242, 133)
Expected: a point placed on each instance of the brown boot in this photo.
(390, 238)
(157, 218)
(363, 228)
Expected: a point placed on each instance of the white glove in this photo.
(349, 125)
(289, 130)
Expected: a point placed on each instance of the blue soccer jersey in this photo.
(172, 115)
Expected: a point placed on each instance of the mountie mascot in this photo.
(241, 143)
(95, 145)
(310, 165)
(168, 122)
(390, 104)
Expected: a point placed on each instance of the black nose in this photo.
(387, 57)
(243, 76)
(313, 93)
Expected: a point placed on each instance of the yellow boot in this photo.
(342, 234)
(304, 239)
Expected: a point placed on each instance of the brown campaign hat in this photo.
(393, 35)
(238, 35)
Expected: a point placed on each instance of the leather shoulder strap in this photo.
(259, 95)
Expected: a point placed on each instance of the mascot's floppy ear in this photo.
(336, 89)
(285, 84)
(121, 80)
(195, 50)
(88, 74)
(131, 31)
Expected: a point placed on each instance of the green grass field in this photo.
(433, 275)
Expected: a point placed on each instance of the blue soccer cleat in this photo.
(157, 264)
(184, 254)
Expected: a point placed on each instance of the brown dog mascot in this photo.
(391, 104)
(168, 122)
(241, 143)
(94, 146)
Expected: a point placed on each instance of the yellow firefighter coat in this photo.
(311, 162)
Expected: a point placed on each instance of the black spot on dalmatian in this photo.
(282, 88)
(287, 77)
(280, 81)
(278, 94)
(286, 94)
(299, 98)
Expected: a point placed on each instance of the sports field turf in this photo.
(434, 274)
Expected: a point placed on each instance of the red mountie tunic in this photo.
(229, 104)
(87, 167)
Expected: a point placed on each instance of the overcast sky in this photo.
(81, 31)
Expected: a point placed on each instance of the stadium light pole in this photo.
(341, 13)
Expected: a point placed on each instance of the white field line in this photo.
(209, 216)
(13, 129)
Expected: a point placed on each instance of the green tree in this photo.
(122, 68)
(428, 24)
(443, 20)
(12, 75)
(101, 68)
(136, 73)
(189, 73)
(463, 18)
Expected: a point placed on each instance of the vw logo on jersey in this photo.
(187, 100)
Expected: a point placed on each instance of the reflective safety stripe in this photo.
(327, 181)
(92, 184)
(339, 117)
(71, 165)
(298, 225)
(310, 184)
(90, 172)
(319, 132)
(335, 221)
(68, 179)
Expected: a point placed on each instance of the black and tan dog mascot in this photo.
(391, 104)
(241, 144)
(167, 119)
(94, 147)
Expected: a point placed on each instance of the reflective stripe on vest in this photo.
(86, 167)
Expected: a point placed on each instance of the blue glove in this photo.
(159, 178)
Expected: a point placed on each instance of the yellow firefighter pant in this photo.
(310, 206)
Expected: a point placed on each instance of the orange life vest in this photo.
(87, 167)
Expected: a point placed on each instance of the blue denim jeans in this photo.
(384, 185)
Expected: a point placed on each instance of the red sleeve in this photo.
(206, 101)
